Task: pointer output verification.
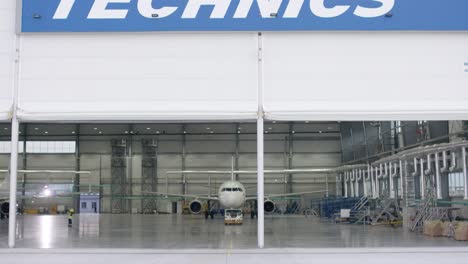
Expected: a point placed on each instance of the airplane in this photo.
(5, 188)
(232, 194)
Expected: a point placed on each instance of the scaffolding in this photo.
(119, 182)
(149, 174)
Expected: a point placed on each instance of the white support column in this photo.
(422, 180)
(400, 193)
(391, 179)
(345, 185)
(14, 147)
(465, 172)
(437, 175)
(365, 178)
(13, 180)
(356, 189)
(371, 171)
(260, 154)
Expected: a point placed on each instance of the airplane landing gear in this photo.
(253, 214)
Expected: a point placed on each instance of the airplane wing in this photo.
(48, 171)
(182, 195)
(284, 195)
(292, 171)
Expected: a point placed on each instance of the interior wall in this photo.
(310, 148)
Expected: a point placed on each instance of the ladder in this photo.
(360, 204)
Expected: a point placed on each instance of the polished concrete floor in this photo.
(192, 232)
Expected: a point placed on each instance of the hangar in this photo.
(242, 130)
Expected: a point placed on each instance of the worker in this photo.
(71, 212)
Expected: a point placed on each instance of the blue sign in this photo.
(241, 15)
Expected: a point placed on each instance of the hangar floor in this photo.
(189, 232)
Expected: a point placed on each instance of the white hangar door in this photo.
(7, 57)
(137, 77)
(366, 76)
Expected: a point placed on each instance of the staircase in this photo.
(360, 211)
(360, 204)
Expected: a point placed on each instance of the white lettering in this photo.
(267, 8)
(146, 9)
(100, 11)
(219, 10)
(387, 6)
(243, 8)
(293, 8)
(64, 8)
(318, 8)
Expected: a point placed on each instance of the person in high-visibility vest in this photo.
(71, 212)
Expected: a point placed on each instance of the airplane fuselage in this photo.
(231, 195)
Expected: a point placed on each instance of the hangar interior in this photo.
(127, 160)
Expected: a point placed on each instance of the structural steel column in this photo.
(25, 163)
(260, 154)
(183, 158)
(14, 146)
(465, 172)
(77, 180)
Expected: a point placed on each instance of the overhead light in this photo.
(211, 132)
(330, 128)
(274, 122)
(45, 187)
(46, 132)
(270, 128)
(240, 128)
(131, 132)
(100, 132)
(185, 132)
(238, 132)
(47, 192)
(320, 131)
(126, 132)
(36, 128)
(73, 132)
(95, 128)
(148, 128)
(157, 132)
(266, 132)
(293, 131)
(6, 128)
(208, 128)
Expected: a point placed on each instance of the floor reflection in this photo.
(189, 231)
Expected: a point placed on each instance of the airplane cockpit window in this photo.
(235, 189)
(228, 190)
(240, 190)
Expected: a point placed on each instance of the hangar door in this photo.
(133, 77)
(366, 75)
(7, 57)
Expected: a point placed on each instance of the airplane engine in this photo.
(5, 208)
(269, 206)
(195, 207)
